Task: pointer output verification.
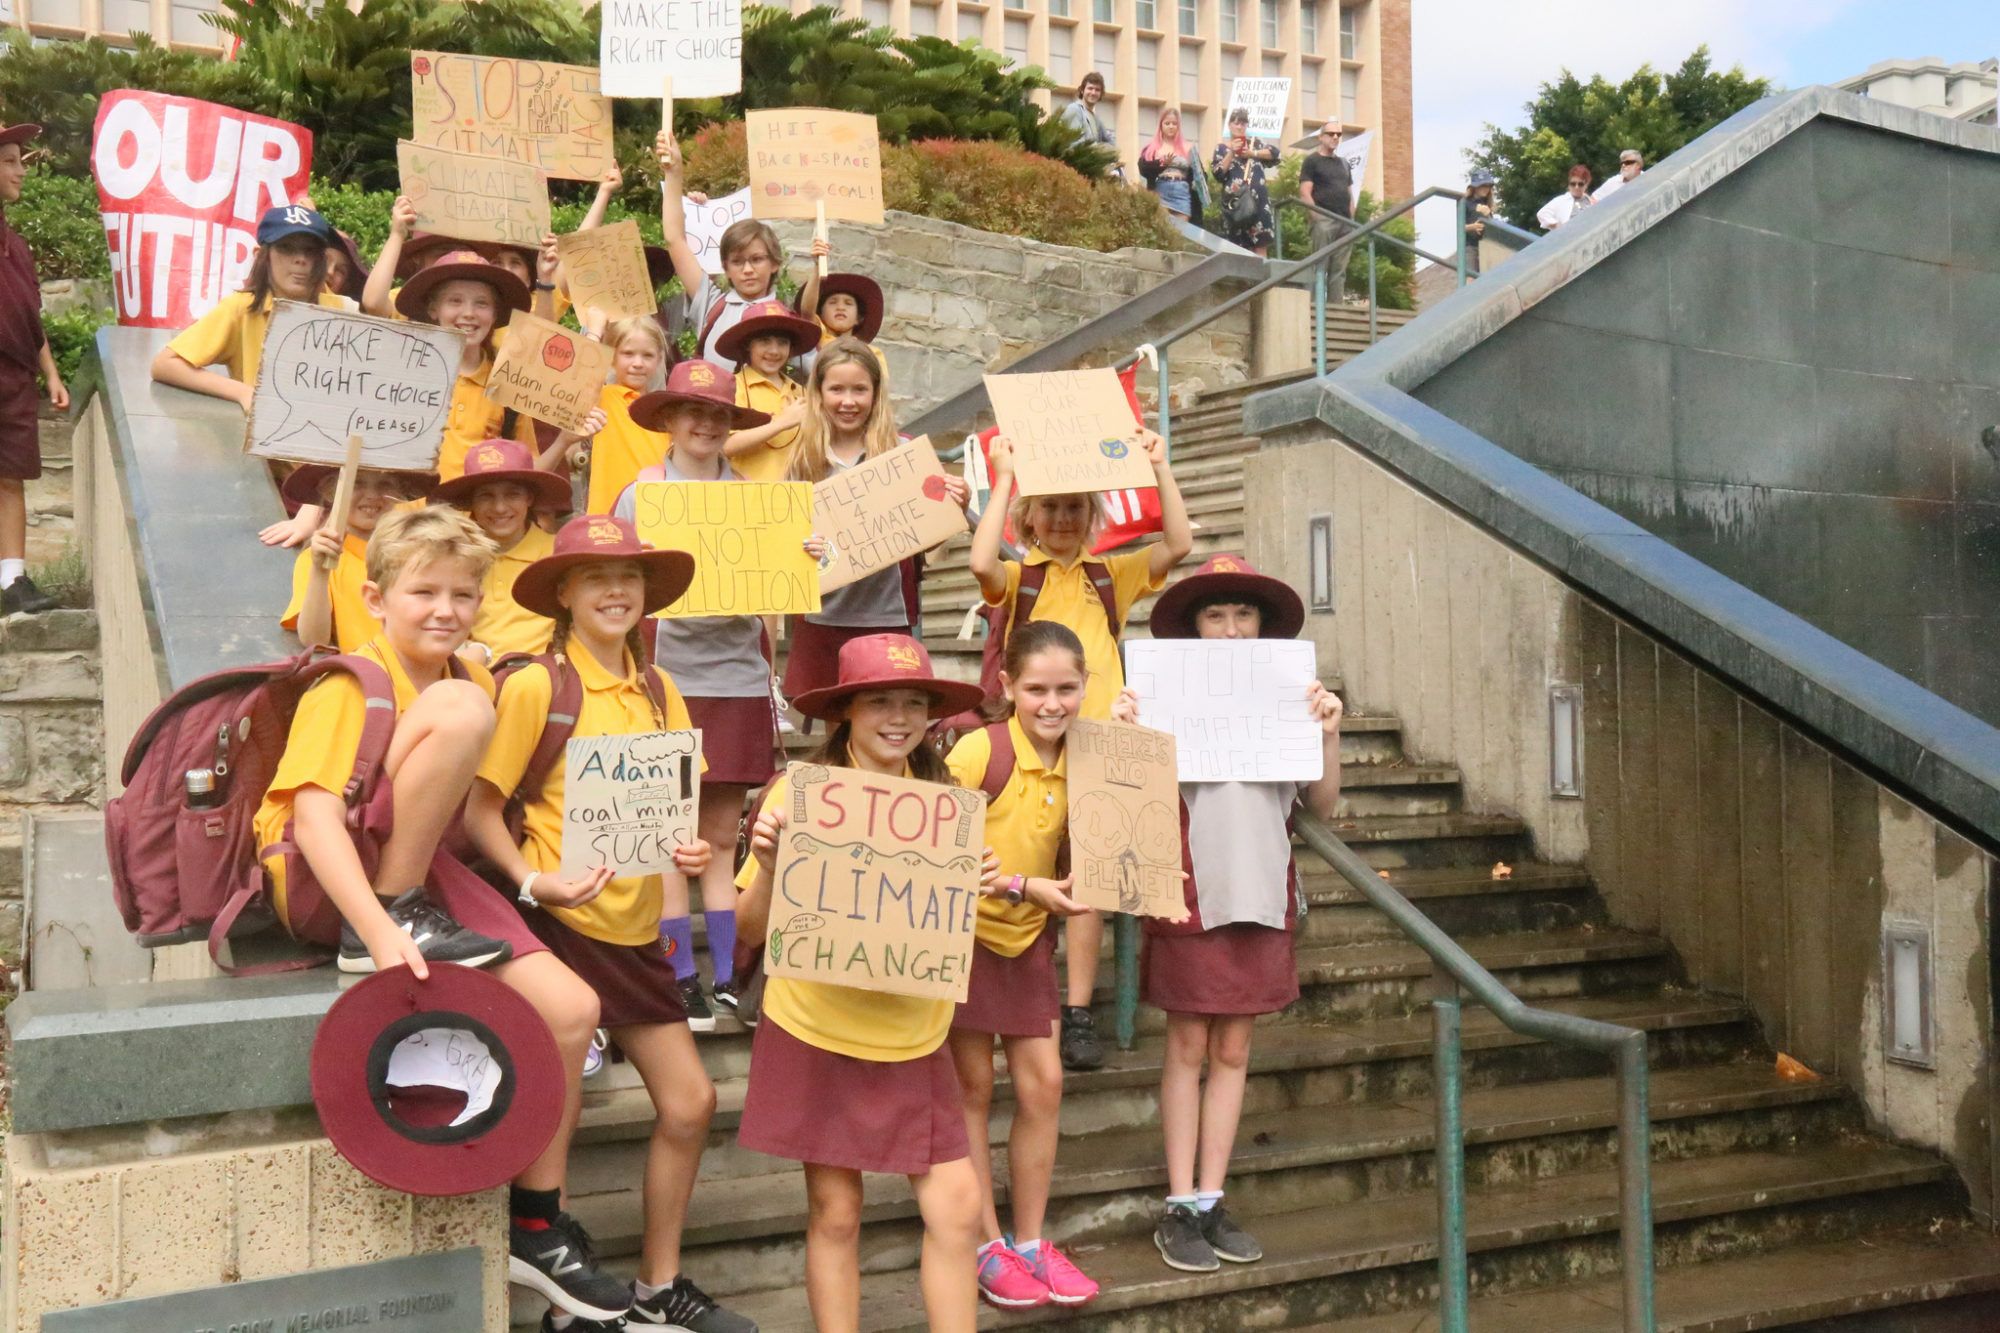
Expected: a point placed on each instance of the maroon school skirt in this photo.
(1236, 969)
(1012, 997)
(634, 982)
(738, 737)
(810, 1105)
(812, 661)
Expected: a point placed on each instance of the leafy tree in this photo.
(1572, 121)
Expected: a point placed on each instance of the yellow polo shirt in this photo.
(771, 460)
(352, 625)
(628, 911)
(1025, 826)
(621, 450)
(503, 624)
(864, 1024)
(475, 419)
(231, 335)
(1068, 597)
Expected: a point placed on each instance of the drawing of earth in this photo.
(1097, 824)
(1158, 839)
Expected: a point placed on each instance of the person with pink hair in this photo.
(1168, 165)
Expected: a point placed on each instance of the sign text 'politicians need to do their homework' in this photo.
(1236, 707)
(538, 113)
(328, 374)
(474, 198)
(877, 882)
(1071, 430)
(748, 542)
(806, 158)
(1266, 100)
(696, 43)
(882, 510)
(629, 800)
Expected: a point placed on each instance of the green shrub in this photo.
(57, 215)
(71, 334)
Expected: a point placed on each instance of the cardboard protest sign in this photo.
(1072, 430)
(544, 115)
(696, 43)
(181, 185)
(606, 267)
(805, 158)
(705, 224)
(881, 510)
(629, 800)
(474, 198)
(1266, 100)
(1124, 820)
(548, 372)
(747, 538)
(877, 883)
(1237, 707)
(328, 374)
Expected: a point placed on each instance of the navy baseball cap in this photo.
(292, 220)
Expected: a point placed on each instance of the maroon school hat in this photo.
(694, 381)
(308, 479)
(357, 275)
(590, 538)
(1228, 578)
(887, 662)
(21, 133)
(762, 317)
(502, 460)
(397, 1061)
(510, 290)
(866, 293)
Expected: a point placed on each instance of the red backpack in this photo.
(182, 873)
(1000, 622)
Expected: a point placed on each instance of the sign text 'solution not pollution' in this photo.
(748, 542)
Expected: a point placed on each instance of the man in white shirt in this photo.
(1630, 164)
(1564, 206)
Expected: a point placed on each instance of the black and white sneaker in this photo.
(725, 997)
(1081, 1050)
(439, 938)
(1181, 1243)
(558, 1262)
(682, 1305)
(1228, 1240)
(23, 596)
(701, 1018)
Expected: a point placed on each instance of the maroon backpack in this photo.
(564, 705)
(1000, 622)
(182, 873)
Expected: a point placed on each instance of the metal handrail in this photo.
(1314, 211)
(1626, 1045)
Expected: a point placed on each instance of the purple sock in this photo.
(678, 931)
(722, 944)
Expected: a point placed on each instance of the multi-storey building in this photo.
(1964, 91)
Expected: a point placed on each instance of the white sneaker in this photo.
(593, 1059)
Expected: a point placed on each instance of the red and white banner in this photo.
(181, 184)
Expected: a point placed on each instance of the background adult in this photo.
(1630, 164)
(1244, 201)
(1081, 116)
(1326, 183)
(1576, 196)
(1169, 164)
(1479, 206)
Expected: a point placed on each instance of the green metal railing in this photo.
(1314, 213)
(1626, 1046)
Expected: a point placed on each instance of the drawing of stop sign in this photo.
(559, 353)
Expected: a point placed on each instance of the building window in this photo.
(1015, 39)
(1350, 96)
(1274, 67)
(1146, 13)
(971, 25)
(1350, 34)
(1149, 67)
(1309, 90)
(1061, 68)
(1017, 4)
(1309, 27)
(876, 12)
(923, 19)
(1107, 115)
(1191, 126)
(1270, 22)
(1232, 69)
(1104, 10)
(1190, 18)
(1104, 50)
(1059, 8)
(1190, 74)
(1231, 12)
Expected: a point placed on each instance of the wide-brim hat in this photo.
(767, 317)
(303, 486)
(698, 382)
(887, 662)
(593, 539)
(659, 264)
(412, 301)
(420, 249)
(502, 460)
(867, 294)
(22, 133)
(446, 1086)
(1228, 578)
(356, 268)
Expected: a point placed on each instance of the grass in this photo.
(66, 578)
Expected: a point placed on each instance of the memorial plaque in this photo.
(425, 1293)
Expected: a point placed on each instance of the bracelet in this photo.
(1017, 888)
(526, 897)
(545, 286)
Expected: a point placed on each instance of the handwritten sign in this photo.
(1071, 430)
(474, 198)
(328, 374)
(548, 371)
(877, 883)
(696, 43)
(705, 224)
(1266, 100)
(629, 800)
(1125, 820)
(1237, 707)
(804, 157)
(544, 115)
(748, 540)
(606, 267)
(879, 511)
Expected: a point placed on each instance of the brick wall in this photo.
(1398, 164)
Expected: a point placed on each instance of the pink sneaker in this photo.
(1006, 1280)
(1065, 1281)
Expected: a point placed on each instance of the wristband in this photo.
(545, 286)
(526, 895)
(1017, 888)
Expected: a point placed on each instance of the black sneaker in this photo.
(1181, 1242)
(23, 595)
(685, 1306)
(1228, 1240)
(1081, 1050)
(439, 938)
(580, 1325)
(701, 1018)
(558, 1262)
(726, 999)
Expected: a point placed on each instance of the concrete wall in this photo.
(1769, 863)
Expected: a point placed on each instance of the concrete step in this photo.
(62, 631)
(50, 677)
(1459, 838)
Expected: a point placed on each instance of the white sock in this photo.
(559, 1320)
(1000, 1241)
(1026, 1248)
(11, 570)
(1206, 1200)
(645, 1291)
(1183, 1200)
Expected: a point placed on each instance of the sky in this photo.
(1477, 61)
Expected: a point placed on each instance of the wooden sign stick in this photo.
(667, 106)
(819, 232)
(343, 498)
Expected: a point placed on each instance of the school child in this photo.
(24, 351)
(723, 667)
(1093, 596)
(761, 344)
(407, 252)
(1233, 958)
(1013, 990)
(850, 305)
(751, 260)
(462, 291)
(846, 421)
(848, 1080)
(620, 448)
(346, 275)
(341, 617)
(594, 589)
(375, 881)
(501, 490)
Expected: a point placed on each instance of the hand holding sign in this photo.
(1069, 431)
(629, 801)
(474, 198)
(328, 374)
(1240, 709)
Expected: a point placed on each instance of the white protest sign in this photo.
(705, 224)
(696, 43)
(329, 373)
(1355, 152)
(1266, 100)
(1236, 707)
(629, 800)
